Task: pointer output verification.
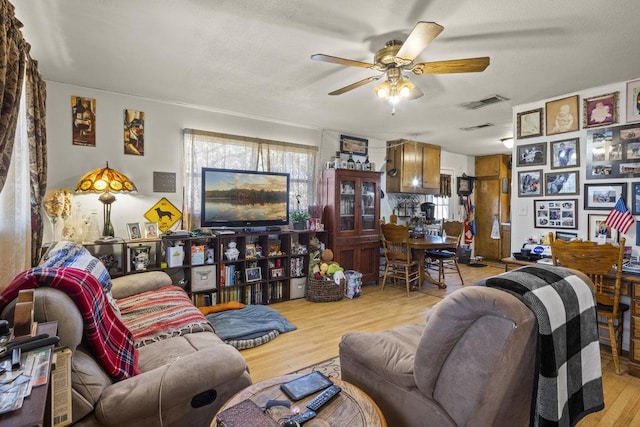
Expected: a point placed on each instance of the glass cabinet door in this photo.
(347, 205)
(368, 205)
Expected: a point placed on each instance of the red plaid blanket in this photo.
(110, 341)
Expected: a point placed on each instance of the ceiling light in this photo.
(383, 90)
(507, 142)
(106, 181)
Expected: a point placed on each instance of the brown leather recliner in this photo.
(471, 364)
(183, 380)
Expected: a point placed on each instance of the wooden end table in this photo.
(352, 407)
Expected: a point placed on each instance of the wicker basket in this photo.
(324, 290)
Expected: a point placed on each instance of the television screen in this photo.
(238, 198)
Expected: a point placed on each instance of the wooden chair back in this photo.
(396, 242)
(454, 229)
(594, 260)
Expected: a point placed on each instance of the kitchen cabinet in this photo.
(492, 201)
(351, 200)
(417, 165)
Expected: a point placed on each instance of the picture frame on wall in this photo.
(561, 183)
(529, 123)
(603, 196)
(530, 183)
(353, 145)
(600, 110)
(635, 198)
(597, 228)
(561, 213)
(562, 115)
(532, 154)
(633, 101)
(565, 153)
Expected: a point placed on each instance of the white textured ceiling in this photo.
(252, 57)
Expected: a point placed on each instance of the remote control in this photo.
(302, 418)
(324, 397)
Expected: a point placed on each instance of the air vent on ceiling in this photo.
(484, 102)
(484, 125)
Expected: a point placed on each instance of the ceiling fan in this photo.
(396, 58)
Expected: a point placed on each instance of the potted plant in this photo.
(299, 219)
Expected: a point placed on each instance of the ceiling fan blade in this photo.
(340, 61)
(470, 65)
(354, 85)
(421, 35)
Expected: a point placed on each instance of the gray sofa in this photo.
(471, 364)
(183, 380)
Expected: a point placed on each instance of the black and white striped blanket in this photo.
(569, 383)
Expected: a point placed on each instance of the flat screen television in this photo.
(239, 198)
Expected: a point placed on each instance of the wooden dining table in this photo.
(419, 244)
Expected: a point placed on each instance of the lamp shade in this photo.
(103, 180)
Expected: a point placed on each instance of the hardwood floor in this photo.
(321, 325)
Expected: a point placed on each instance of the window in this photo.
(216, 150)
(443, 207)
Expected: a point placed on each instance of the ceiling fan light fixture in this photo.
(383, 90)
(405, 87)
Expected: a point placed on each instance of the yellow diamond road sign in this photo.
(164, 213)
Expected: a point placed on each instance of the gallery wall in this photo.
(526, 220)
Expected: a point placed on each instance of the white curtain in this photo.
(15, 214)
(215, 150)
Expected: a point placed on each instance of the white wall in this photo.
(522, 215)
(164, 123)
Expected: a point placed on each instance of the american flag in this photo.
(620, 218)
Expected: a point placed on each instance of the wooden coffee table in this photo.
(352, 407)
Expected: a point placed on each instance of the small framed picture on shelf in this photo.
(150, 230)
(598, 230)
(277, 272)
(253, 274)
(133, 229)
(250, 251)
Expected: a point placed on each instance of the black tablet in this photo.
(305, 385)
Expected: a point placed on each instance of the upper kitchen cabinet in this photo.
(413, 167)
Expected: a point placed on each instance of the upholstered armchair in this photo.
(471, 364)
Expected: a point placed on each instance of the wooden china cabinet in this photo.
(351, 200)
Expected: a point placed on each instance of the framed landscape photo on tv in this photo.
(561, 213)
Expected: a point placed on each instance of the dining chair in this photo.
(398, 262)
(446, 261)
(596, 261)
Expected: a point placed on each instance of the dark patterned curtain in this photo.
(36, 97)
(13, 52)
(445, 186)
